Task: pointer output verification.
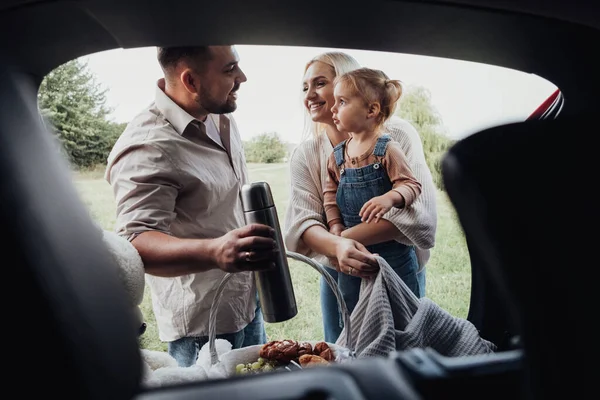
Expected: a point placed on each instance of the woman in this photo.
(306, 231)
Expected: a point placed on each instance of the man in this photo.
(176, 173)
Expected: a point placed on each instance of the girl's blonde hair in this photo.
(340, 63)
(374, 86)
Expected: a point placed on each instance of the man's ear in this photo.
(190, 81)
(373, 110)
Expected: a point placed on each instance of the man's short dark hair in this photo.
(169, 57)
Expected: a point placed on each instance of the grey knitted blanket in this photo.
(390, 317)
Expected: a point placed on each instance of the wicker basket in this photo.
(225, 366)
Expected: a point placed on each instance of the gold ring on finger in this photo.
(247, 256)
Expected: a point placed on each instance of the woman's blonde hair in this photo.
(374, 86)
(340, 63)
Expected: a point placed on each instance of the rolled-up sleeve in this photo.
(305, 208)
(145, 187)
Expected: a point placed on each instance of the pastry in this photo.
(284, 351)
(311, 360)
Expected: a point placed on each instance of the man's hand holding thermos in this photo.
(250, 248)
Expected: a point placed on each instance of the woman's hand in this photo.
(354, 259)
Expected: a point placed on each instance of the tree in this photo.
(74, 104)
(265, 148)
(415, 106)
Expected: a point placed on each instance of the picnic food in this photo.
(320, 347)
(323, 350)
(260, 365)
(280, 353)
(310, 360)
(284, 351)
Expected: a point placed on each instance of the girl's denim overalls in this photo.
(356, 187)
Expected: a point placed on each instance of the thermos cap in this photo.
(257, 196)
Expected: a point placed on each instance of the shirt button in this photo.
(376, 166)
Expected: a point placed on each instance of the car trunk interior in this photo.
(527, 236)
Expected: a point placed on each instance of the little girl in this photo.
(368, 174)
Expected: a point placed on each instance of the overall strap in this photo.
(381, 145)
(338, 152)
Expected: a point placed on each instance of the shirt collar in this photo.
(177, 116)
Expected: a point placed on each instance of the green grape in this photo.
(256, 366)
(267, 368)
(261, 360)
(239, 368)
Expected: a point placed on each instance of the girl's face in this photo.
(350, 112)
(318, 91)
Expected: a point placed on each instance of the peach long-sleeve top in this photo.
(395, 164)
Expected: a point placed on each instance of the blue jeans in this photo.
(350, 288)
(185, 350)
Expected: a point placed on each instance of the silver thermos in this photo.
(275, 289)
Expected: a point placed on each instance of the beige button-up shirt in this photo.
(168, 175)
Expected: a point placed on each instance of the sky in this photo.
(468, 96)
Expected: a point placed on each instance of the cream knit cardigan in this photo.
(308, 170)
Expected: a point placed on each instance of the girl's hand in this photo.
(375, 208)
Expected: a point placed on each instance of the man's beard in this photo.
(208, 103)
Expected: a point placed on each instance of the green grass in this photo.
(448, 271)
